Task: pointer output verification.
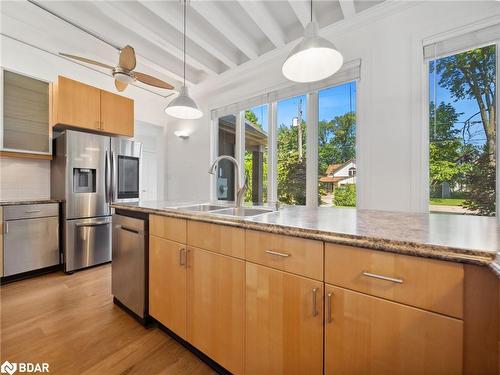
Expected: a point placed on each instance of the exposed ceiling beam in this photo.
(258, 12)
(226, 26)
(173, 17)
(348, 9)
(123, 16)
(302, 11)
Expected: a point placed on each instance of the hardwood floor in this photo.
(71, 323)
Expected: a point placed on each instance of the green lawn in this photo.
(446, 201)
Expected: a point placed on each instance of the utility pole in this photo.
(299, 124)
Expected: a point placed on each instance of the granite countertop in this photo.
(29, 201)
(458, 238)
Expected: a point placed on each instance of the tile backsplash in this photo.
(24, 179)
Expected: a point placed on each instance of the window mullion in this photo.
(272, 155)
(312, 150)
(239, 151)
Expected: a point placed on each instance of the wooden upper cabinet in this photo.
(369, 335)
(78, 105)
(216, 307)
(284, 323)
(117, 114)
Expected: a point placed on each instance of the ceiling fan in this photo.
(124, 73)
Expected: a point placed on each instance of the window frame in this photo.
(425, 114)
(312, 143)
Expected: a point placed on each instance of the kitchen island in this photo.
(309, 289)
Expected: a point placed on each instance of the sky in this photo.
(333, 101)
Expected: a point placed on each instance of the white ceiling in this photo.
(221, 35)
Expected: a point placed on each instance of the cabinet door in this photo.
(369, 335)
(117, 114)
(284, 323)
(216, 307)
(167, 284)
(76, 104)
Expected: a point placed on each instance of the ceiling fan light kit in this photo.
(313, 59)
(184, 107)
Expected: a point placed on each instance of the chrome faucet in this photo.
(239, 191)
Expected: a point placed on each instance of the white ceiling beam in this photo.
(227, 26)
(348, 9)
(258, 12)
(122, 16)
(302, 10)
(173, 17)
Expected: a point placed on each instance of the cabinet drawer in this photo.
(168, 227)
(219, 238)
(426, 283)
(29, 211)
(296, 255)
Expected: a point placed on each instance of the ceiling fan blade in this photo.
(153, 81)
(120, 86)
(127, 58)
(88, 61)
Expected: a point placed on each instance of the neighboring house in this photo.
(339, 175)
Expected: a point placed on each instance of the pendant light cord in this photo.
(184, 41)
(311, 10)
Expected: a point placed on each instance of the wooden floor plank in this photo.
(72, 323)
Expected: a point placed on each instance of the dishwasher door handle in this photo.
(135, 231)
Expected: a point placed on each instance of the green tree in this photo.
(345, 196)
(252, 117)
(472, 75)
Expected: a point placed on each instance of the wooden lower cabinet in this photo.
(167, 284)
(216, 307)
(369, 335)
(284, 323)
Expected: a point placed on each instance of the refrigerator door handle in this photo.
(106, 177)
(113, 192)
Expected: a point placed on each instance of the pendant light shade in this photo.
(313, 59)
(184, 107)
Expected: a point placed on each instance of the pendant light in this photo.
(183, 107)
(313, 59)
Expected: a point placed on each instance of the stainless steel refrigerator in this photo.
(88, 172)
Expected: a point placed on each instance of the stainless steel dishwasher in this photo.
(31, 237)
(129, 262)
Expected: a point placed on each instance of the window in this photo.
(337, 145)
(462, 132)
(225, 172)
(291, 151)
(256, 141)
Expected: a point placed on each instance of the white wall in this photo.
(391, 127)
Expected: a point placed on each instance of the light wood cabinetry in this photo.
(284, 323)
(219, 238)
(369, 335)
(117, 114)
(216, 307)
(168, 227)
(291, 254)
(426, 283)
(167, 284)
(78, 105)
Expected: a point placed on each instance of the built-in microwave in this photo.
(126, 161)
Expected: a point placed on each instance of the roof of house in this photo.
(332, 168)
(333, 179)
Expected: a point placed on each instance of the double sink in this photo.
(226, 211)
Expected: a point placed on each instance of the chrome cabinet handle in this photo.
(314, 297)
(329, 307)
(277, 253)
(32, 211)
(182, 257)
(380, 277)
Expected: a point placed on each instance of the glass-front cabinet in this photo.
(25, 116)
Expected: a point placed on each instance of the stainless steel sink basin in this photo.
(242, 211)
(206, 207)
